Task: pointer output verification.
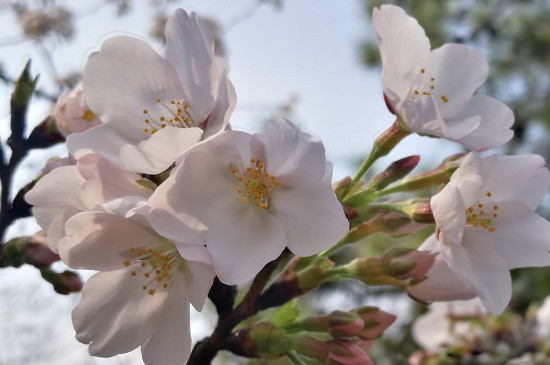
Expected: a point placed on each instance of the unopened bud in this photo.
(63, 283)
(375, 322)
(397, 267)
(396, 171)
(28, 250)
(391, 223)
(269, 341)
(424, 180)
(337, 324)
(386, 141)
(418, 210)
(333, 352)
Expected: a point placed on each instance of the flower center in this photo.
(255, 184)
(480, 215)
(173, 113)
(424, 86)
(156, 266)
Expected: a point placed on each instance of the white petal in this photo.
(495, 122)
(190, 51)
(520, 236)
(161, 150)
(522, 178)
(124, 79)
(442, 283)
(199, 278)
(448, 210)
(296, 158)
(403, 46)
(457, 71)
(53, 194)
(478, 263)
(101, 241)
(115, 315)
(177, 226)
(103, 140)
(312, 217)
(222, 110)
(171, 343)
(468, 179)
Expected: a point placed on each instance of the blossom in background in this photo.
(486, 225)
(142, 293)
(72, 115)
(81, 186)
(154, 107)
(444, 323)
(432, 91)
(257, 194)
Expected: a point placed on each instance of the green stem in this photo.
(294, 358)
(383, 144)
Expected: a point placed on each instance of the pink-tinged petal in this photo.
(56, 231)
(161, 150)
(124, 79)
(468, 179)
(403, 46)
(456, 130)
(115, 315)
(190, 51)
(106, 182)
(522, 178)
(495, 122)
(222, 110)
(457, 72)
(520, 236)
(170, 344)
(442, 283)
(421, 116)
(53, 194)
(296, 158)
(448, 210)
(313, 218)
(101, 241)
(479, 264)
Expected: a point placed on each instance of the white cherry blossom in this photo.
(486, 225)
(142, 293)
(85, 185)
(154, 107)
(432, 91)
(256, 194)
(72, 115)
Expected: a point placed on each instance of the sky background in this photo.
(308, 50)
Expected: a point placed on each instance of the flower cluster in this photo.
(172, 206)
(160, 196)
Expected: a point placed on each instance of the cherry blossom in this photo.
(486, 225)
(154, 107)
(445, 322)
(432, 91)
(142, 293)
(72, 115)
(257, 194)
(85, 185)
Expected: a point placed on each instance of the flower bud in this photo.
(269, 341)
(418, 209)
(396, 171)
(63, 283)
(333, 352)
(337, 324)
(398, 267)
(375, 322)
(424, 180)
(28, 250)
(72, 114)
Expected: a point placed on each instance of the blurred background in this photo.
(313, 61)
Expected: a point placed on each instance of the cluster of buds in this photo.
(338, 338)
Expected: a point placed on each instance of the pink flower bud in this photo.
(344, 352)
(38, 253)
(423, 262)
(375, 322)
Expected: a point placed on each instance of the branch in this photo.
(205, 350)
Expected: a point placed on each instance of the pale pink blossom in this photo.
(486, 226)
(446, 322)
(257, 194)
(432, 91)
(86, 185)
(154, 107)
(142, 293)
(72, 115)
